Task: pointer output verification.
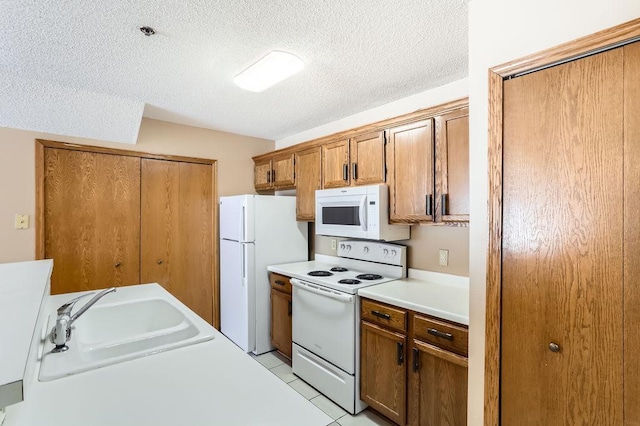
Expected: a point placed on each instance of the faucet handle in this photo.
(67, 307)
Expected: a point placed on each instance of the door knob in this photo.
(159, 261)
(118, 264)
(554, 347)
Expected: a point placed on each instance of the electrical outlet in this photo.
(334, 244)
(444, 257)
(21, 221)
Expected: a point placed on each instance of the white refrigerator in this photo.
(255, 231)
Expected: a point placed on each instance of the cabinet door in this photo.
(177, 231)
(383, 374)
(563, 231)
(283, 172)
(308, 177)
(335, 164)
(262, 175)
(410, 175)
(281, 322)
(437, 387)
(91, 219)
(452, 166)
(367, 159)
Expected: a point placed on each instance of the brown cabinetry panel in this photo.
(367, 159)
(452, 166)
(177, 221)
(437, 387)
(562, 282)
(283, 171)
(335, 164)
(308, 180)
(91, 219)
(442, 334)
(385, 315)
(262, 174)
(383, 374)
(410, 162)
(281, 322)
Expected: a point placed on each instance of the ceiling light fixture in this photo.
(268, 71)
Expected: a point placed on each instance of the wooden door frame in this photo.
(41, 144)
(566, 52)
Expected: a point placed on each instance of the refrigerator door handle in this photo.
(244, 231)
(244, 262)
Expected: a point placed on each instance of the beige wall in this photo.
(17, 169)
(423, 248)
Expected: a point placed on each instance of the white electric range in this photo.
(326, 314)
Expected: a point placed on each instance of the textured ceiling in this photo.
(357, 54)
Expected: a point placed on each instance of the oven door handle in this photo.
(342, 297)
(362, 213)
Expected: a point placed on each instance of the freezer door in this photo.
(237, 293)
(236, 218)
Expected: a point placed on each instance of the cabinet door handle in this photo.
(429, 203)
(354, 171)
(438, 333)
(443, 204)
(400, 348)
(380, 314)
(273, 175)
(279, 282)
(290, 308)
(345, 172)
(416, 359)
(268, 176)
(159, 261)
(117, 265)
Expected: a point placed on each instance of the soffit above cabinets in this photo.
(357, 55)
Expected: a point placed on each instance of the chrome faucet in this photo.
(61, 332)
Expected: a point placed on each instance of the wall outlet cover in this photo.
(443, 258)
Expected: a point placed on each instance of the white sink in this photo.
(133, 322)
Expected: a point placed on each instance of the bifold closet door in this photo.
(177, 231)
(562, 272)
(91, 219)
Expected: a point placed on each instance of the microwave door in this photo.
(362, 213)
(343, 217)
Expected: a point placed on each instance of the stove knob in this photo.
(348, 247)
(341, 246)
(386, 252)
(366, 249)
(393, 253)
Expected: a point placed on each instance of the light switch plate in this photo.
(22, 221)
(444, 258)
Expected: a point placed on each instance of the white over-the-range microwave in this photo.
(357, 212)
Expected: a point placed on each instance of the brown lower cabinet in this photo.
(423, 383)
(281, 328)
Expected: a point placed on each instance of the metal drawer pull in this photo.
(400, 347)
(268, 176)
(381, 314)
(354, 172)
(416, 359)
(273, 175)
(345, 172)
(279, 282)
(437, 333)
(290, 308)
(429, 203)
(554, 347)
(443, 204)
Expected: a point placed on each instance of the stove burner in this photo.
(349, 281)
(338, 269)
(369, 277)
(320, 273)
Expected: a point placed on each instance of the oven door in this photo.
(343, 215)
(324, 322)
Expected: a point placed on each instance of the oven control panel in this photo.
(373, 251)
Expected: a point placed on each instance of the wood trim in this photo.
(215, 199)
(456, 359)
(566, 51)
(574, 48)
(125, 152)
(39, 219)
(378, 126)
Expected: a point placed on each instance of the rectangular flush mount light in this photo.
(269, 70)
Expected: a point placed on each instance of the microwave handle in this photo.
(362, 213)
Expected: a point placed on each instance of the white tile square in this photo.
(364, 418)
(284, 372)
(334, 424)
(329, 407)
(270, 359)
(304, 389)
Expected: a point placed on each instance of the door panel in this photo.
(308, 180)
(562, 244)
(234, 293)
(335, 164)
(281, 321)
(91, 219)
(367, 159)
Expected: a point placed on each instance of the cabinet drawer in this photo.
(442, 334)
(280, 282)
(379, 313)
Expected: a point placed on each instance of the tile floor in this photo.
(281, 367)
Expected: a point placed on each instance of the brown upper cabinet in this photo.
(309, 178)
(276, 172)
(428, 170)
(355, 161)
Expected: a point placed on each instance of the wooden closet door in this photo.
(562, 245)
(91, 219)
(177, 222)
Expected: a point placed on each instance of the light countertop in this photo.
(208, 383)
(439, 295)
